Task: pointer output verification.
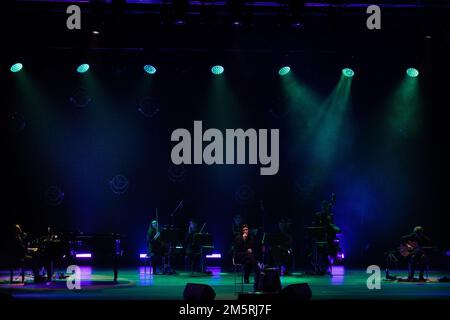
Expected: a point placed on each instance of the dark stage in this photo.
(136, 284)
(303, 144)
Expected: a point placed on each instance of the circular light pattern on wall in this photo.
(54, 196)
(119, 184)
(17, 122)
(244, 194)
(177, 173)
(278, 109)
(80, 98)
(148, 107)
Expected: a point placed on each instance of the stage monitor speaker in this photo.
(297, 291)
(269, 281)
(199, 292)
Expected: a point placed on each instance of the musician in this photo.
(18, 248)
(19, 254)
(154, 245)
(324, 218)
(244, 246)
(417, 239)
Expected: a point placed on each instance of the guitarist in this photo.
(414, 243)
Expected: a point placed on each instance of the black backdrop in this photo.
(382, 190)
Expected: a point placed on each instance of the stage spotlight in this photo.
(412, 72)
(284, 71)
(82, 68)
(217, 70)
(180, 8)
(96, 15)
(296, 8)
(16, 67)
(349, 73)
(236, 8)
(149, 69)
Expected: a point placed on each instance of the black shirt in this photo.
(241, 245)
(421, 240)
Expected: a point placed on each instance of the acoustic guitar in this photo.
(408, 248)
(411, 247)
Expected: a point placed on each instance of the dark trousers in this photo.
(250, 264)
(419, 260)
(156, 263)
(193, 261)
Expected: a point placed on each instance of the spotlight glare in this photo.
(82, 68)
(284, 71)
(217, 70)
(16, 67)
(236, 23)
(149, 69)
(180, 22)
(297, 25)
(412, 72)
(349, 73)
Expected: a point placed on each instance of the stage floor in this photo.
(135, 284)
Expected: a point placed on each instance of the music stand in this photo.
(317, 233)
(319, 252)
(204, 241)
(278, 252)
(170, 236)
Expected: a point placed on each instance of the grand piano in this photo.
(62, 249)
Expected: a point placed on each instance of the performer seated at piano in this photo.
(192, 253)
(414, 244)
(244, 246)
(154, 245)
(19, 254)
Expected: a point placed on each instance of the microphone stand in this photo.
(172, 215)
(169, 269)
